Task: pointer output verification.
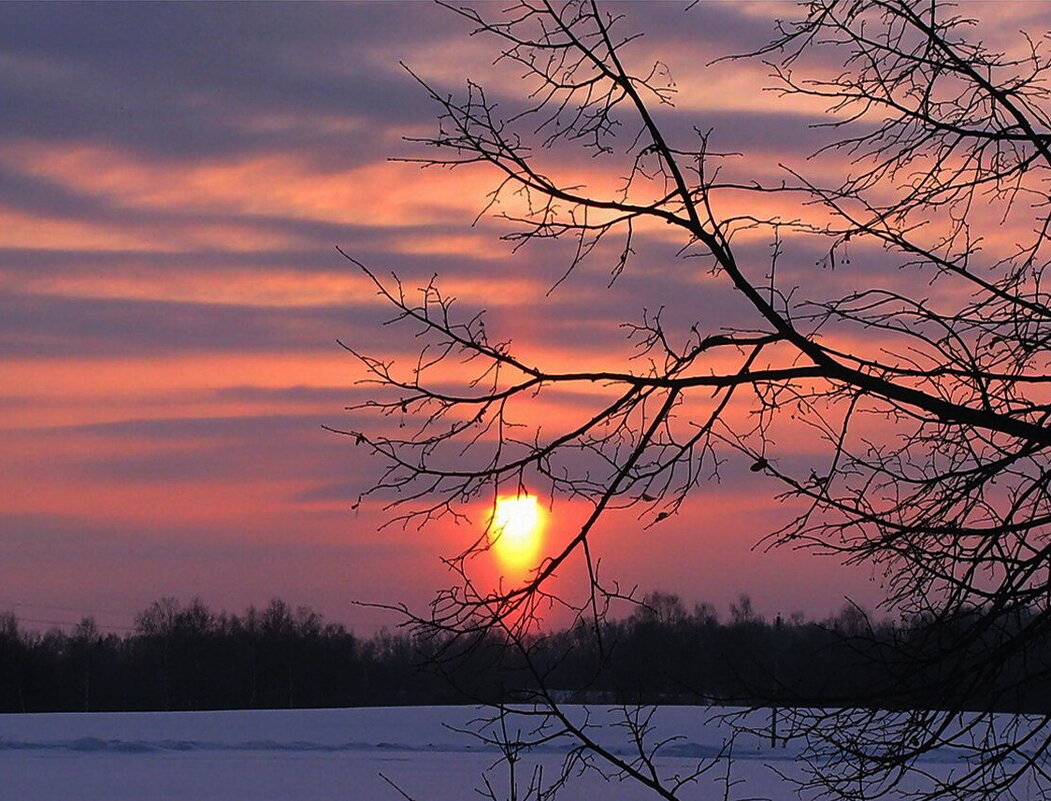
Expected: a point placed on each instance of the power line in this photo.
(72, 623)
(4, 602)
(56, 608)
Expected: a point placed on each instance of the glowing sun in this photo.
(516, 529)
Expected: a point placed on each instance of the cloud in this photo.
(60, 327)
(201, 82)
(333, 395)
(174, 179)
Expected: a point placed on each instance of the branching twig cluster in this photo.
(926, 380)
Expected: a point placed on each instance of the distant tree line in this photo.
(184, 656)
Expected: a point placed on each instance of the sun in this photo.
(516, 529)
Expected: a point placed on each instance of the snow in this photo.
(318, 755)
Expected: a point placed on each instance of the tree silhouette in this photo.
(921, 370)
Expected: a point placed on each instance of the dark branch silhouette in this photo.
(923, 378)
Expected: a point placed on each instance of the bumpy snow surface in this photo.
(318, 755)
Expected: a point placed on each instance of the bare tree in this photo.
(923, 371)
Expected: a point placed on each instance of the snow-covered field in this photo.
(323, 755)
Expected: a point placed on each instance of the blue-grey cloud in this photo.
(173, 80)
(64, 327)
(50, 198)
(369, 245)
(335, 395)
(215, 450)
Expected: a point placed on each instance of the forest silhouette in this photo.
(184, 656)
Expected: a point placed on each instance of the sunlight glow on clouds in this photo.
(174, 182)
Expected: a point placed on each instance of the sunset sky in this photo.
(174, 182)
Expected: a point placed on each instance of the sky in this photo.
(175, 180)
